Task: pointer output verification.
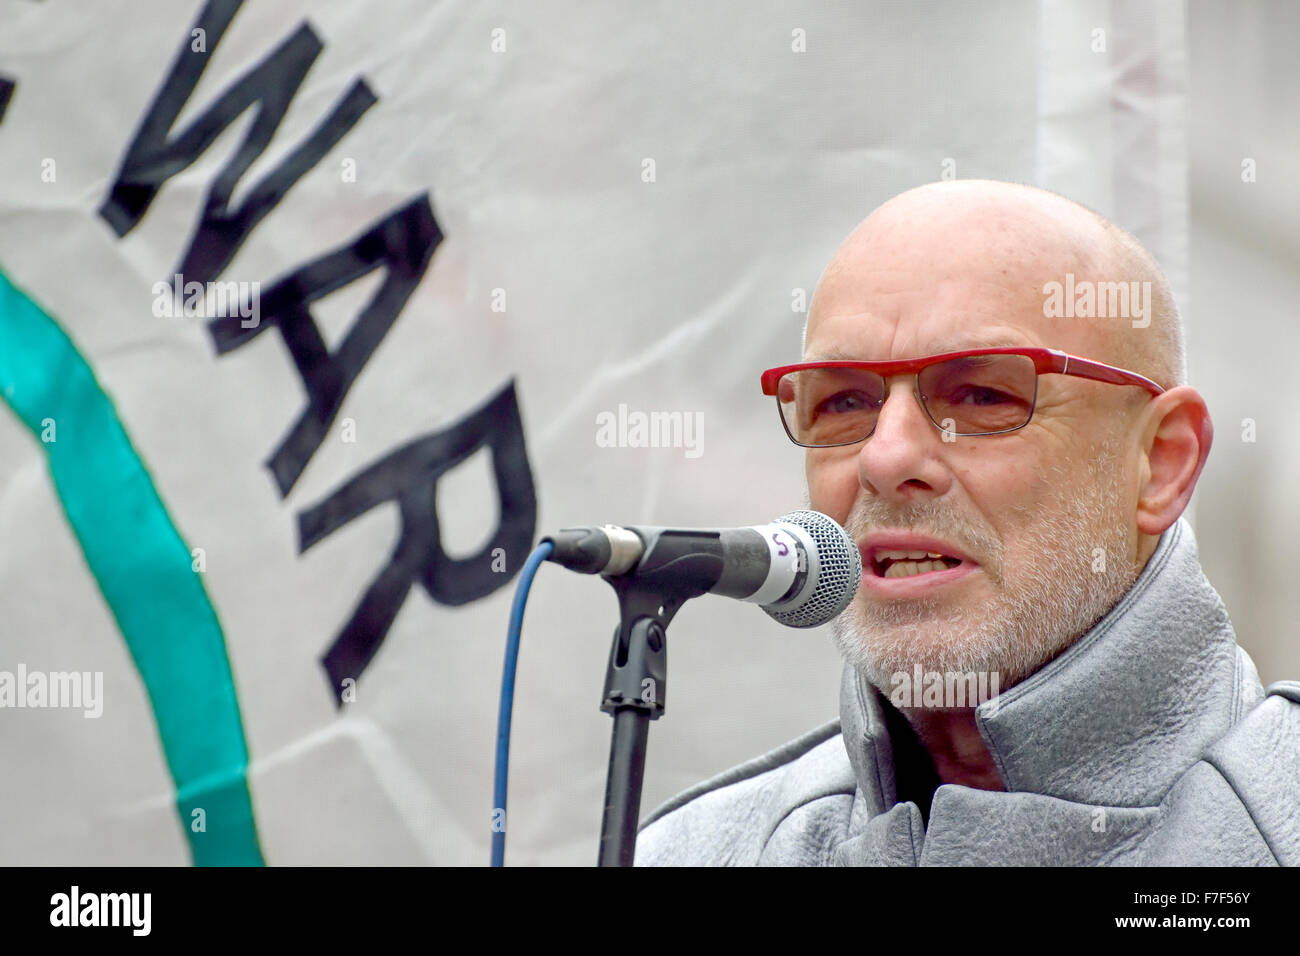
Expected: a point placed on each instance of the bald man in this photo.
(993, 403)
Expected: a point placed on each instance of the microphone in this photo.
(802, 569)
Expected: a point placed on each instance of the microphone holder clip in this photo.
(637, 678)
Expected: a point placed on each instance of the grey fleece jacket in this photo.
(1149, 741)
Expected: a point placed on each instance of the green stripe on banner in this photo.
(143, 568)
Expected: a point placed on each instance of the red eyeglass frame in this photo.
(1046, 361)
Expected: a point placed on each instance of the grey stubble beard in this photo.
(1033, 615)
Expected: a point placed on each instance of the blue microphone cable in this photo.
(501, 783)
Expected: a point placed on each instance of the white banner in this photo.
(315, 316)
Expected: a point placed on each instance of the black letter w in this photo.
(153, 158)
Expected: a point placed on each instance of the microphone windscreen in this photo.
(834, 572)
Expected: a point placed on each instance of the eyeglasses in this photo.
(970, 393)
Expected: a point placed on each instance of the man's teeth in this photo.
(901, 564)
(901, 569)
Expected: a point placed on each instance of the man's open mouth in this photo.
(903, 564)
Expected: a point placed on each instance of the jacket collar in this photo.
(1114, 719)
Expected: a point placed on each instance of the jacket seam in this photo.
(863, 708)
(799, 806)
(1245, 806)
(746, 771)
(911, 836)
(1238, 699)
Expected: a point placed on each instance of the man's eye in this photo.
(842, 402)
(979, 395)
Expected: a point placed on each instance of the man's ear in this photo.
(1176, 438)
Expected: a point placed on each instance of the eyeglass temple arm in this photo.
(1086, 368)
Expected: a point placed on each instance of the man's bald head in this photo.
(1039, 529)
(1027, 237)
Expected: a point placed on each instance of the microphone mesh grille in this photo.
(838, 575)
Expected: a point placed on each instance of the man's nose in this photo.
(899, 460)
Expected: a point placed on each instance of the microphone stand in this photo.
(637, 677)
(653, 577)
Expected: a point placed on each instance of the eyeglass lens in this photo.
(975, 395)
